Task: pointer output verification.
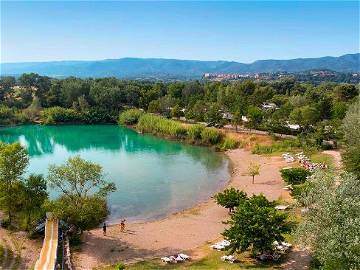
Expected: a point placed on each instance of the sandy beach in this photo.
(183, 231)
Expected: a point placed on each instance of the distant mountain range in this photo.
(143, 68)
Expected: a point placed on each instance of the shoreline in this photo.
(222, 186)
(185, 230)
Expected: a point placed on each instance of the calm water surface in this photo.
(153, 176)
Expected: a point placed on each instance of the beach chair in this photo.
(184, 256)
(229, 258)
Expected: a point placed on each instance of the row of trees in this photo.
(25, 199)
(314, 107)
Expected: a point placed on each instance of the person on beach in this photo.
(104, 228)
(122, 225)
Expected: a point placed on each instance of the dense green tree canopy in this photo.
(331, 225)
(256, 224)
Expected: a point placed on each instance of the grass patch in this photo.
(288, 145)
(211, 261)
(323, 158)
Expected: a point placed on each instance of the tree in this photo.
(256, 224)
(176, 111)
(33, 196)
(213, 115)
(236, 120)
(331, 226)
(253, 170)
(13, 161)
(6, 84)
(255, 116)
(351, 128)
(83, 188)
(230, 198)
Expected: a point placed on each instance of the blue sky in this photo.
(239, 31)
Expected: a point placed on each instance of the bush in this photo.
(10, 116)
(194, 132)
(299, 190)
(130, 117)
(211, 136)
(149, 123)
(294, 176)
(120, 266)
(230, 143)
(97, 115)
(59, 115)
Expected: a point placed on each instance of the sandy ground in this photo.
(183, 231)
(19, 251)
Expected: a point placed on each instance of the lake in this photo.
(153, 176)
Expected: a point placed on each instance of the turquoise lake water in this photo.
(153, 176)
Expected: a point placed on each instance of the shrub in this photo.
(120, 266)
(59, 115)
(194, 132)
(300, 190)
(230, 143)
(130, 117)
(211, 136)
(9, 116)
(155, 124)
(294, 176)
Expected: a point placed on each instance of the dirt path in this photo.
(337, 157)
(185, 230)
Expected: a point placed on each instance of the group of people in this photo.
(307, 164)
(122, 226)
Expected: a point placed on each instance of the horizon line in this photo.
(176, 59)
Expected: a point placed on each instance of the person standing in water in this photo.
(104, 228)
(122, 225)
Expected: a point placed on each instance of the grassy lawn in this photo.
(210, 261)
(323, 158)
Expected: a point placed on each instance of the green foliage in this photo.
(13, 161)
(83, 212)
(130, 117)
(351, 129)
(194, 132)
(294, 176)
(34, 194)
(229, 143)
(230, 198)
(149, 123)
(59, 115)
(256, 224)
(253, 170)
(120, 266)
(330, 227)
(7, 115)
(211, 136)
(276, 147)
(84, 191)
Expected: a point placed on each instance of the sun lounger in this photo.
(221, 245)
(229, 258)
(281, 207)
(184, 256)
(168, 260)
(218, 247)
